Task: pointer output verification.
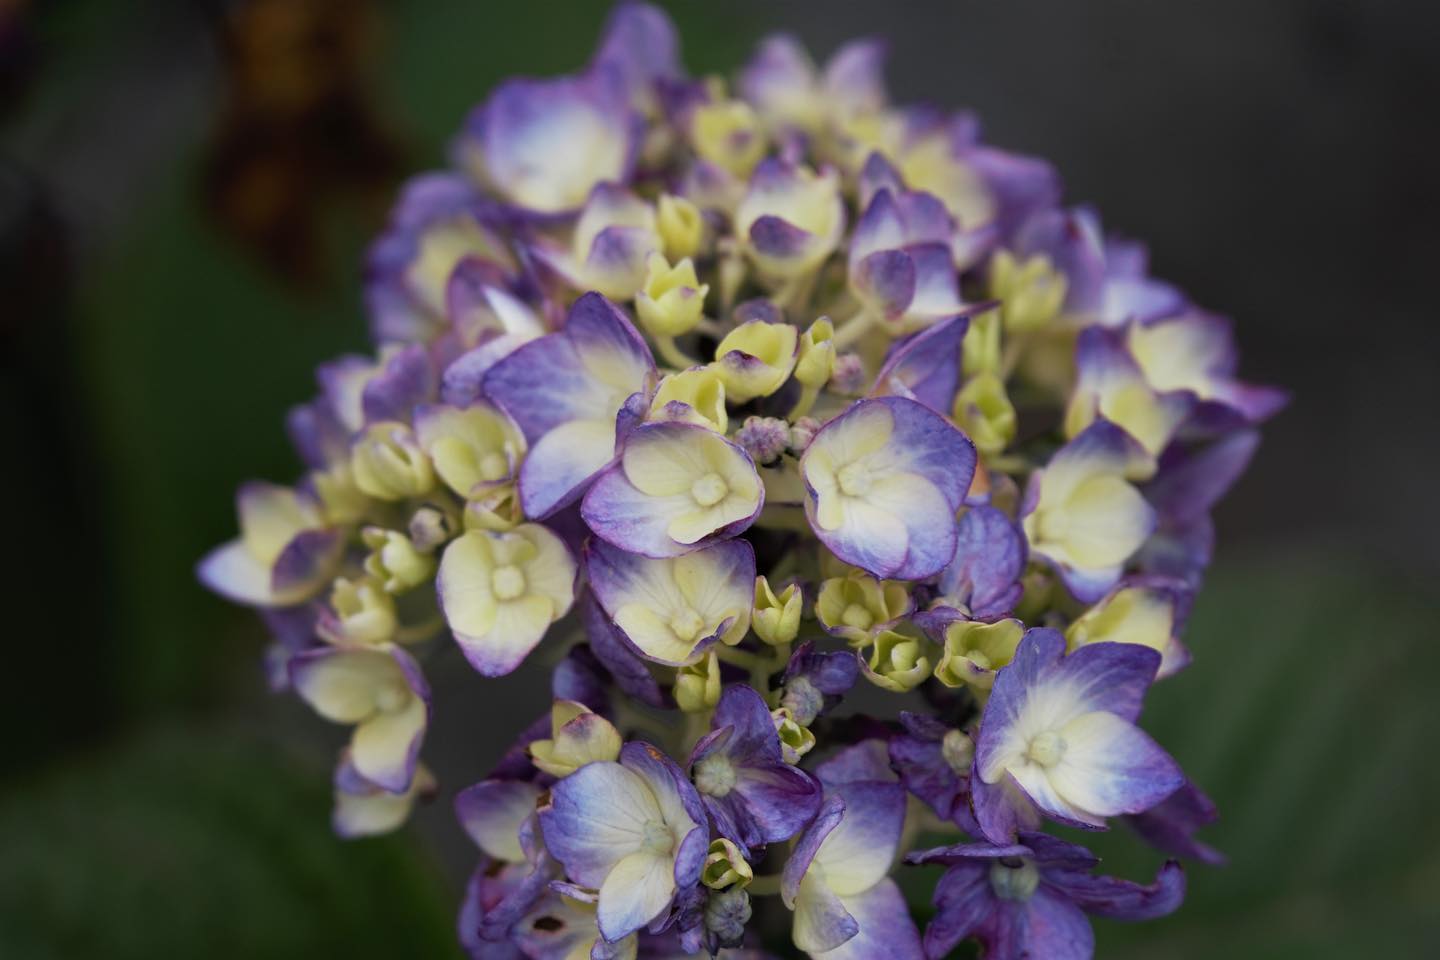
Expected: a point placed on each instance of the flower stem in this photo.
(673, 355)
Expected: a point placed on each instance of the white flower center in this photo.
(507, 583)
(709, 490)
(854, 479)
(658, 839)
(1047, 748)
(1014, 878)
(686, 624)
(714, 775)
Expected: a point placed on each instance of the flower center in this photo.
(1014, 878)
(715, 775)
(857, 616)
(494, 466)
(686, 624)
(657, 839)
(1047, 748)
(709, 490)
(854, 479)
(507, 583)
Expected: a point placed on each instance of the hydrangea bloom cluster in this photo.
(723, 398)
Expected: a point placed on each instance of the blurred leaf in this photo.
(205, 844)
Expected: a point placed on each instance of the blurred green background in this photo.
(186, 190)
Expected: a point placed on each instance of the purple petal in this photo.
(1170, 825)
(625, 666)
(990, 555)
(886, 929)
(405, 381)
(925, 366)
(1121, 899)
(826, 820)
(886, 278)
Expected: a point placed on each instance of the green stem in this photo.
(673, 355)
(766, 885)
(848, 333)
(803, 405)
(741, 658)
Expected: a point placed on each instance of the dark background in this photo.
(185, 192)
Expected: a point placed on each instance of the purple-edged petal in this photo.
(886, 280)
(1170, 825)
(641, 43)
(406, 380)
(885, 927)
(883, 483)
(545, 143)
(676, 487)
(984, 575)
(565, 390)
(382, 693)
(625, 666)
(671, 610)
(1122, 899)
(925, 366)
(492, 811)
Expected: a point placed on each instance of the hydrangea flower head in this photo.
(714, 398)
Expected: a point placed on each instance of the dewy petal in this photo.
(596, 818)
(1112, 767)
(885, 927)
(492, 811)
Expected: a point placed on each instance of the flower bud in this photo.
(695, 396)
(394, 561)
(672, 299)
(981, 349)
(848, 376)
(697, 687)
(764, 438)
(725, 866)
(958, 749)
(975, 650)
(361, 612)
(726, 913)
(341, 501)
(795, 740)
(431, 526)
(776, 619)
(389, 464)
(577, 736)
(755, 359)
(984, 411)
(856, 605)
(497, 509)
(817, 354)
(897, 662)
(682, 228)
(728, 134)
(802, 431)
(1030, 293)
